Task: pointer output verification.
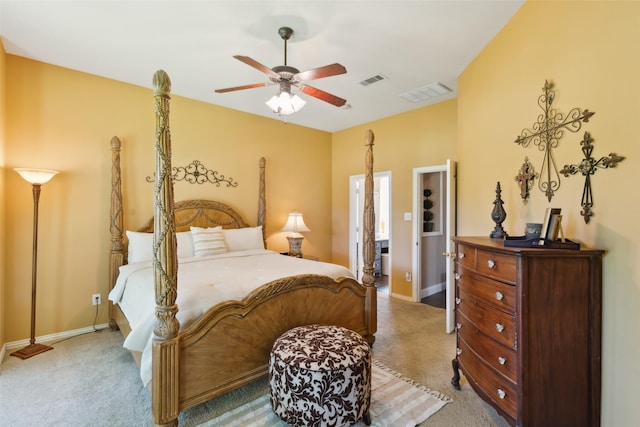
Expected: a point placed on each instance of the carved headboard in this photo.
(203, 213)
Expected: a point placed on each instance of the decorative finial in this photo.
(115, 143)
(369, 137)
(498, 215)
(161, 82)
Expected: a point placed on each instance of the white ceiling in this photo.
(412, 43)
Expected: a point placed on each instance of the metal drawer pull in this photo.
(491, 263)
(457, 276)
(499, 327)
(458, 351)
(502, 360)
(499, 296)
(501, 393)
(458, 326)
(458, 301)
(460, 255)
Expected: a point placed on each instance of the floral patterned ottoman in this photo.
(320, 376)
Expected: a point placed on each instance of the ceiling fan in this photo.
(285, 76)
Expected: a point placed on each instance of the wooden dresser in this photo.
(528, 324)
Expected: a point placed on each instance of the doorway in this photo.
(434, 222)
(382, 209)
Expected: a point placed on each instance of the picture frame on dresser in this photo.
(555, 229)
(548, 222)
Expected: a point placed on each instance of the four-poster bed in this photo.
(228, 345)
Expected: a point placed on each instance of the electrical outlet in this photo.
(407, 276)
(96, 299)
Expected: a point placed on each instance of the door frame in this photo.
(450, 173)
(355, 217)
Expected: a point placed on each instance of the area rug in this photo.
(395, 401)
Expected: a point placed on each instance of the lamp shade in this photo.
(36, 176)
(285, 103)
(295, 223)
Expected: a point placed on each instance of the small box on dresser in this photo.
(528, 324)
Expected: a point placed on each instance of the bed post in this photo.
(165, 350)
(262, 202)
(116, 258)
(369, 240)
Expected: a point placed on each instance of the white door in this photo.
(448, 228)
(450, 231)
(356, 209)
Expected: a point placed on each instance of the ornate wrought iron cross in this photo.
(526, 176)
(546, 134)
(588, 167)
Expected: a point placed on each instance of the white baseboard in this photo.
(429, 290)
(49, 338)
(433, 289)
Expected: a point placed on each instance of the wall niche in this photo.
(432, 206)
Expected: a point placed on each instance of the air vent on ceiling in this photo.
(373, 79)
(426, 92)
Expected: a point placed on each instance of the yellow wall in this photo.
(62, 119)
(590, 50)
(2, 192)
(424, 137)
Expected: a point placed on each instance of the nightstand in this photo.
(310, 257)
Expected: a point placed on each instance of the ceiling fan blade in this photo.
(231, 89)
(319, 73)
(322, 95)
(258, 66)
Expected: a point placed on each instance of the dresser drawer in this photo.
(466, 256)
(497, 388)
(494, 323)
(499, 357)
(501, 266)
(481, 288)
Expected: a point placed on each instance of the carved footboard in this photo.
(229, 346)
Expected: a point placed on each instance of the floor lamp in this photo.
(36, 177)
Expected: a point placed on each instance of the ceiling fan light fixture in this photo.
(285, 103)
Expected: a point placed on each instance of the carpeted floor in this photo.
(90, 380)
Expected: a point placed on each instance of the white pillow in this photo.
(140, 247)
(184, 240)
(242, 239)
(208, 241)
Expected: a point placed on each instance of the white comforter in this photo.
(202, 283)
